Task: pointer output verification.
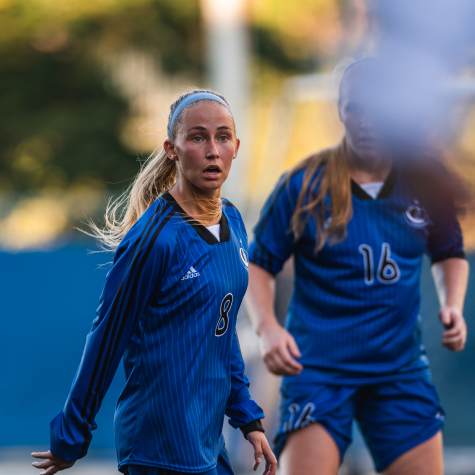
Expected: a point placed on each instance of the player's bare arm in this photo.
(278, 346)
(451, 278)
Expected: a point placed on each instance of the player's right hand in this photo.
(455, 334)
(51, 463)
(262, 448)
(279, 351)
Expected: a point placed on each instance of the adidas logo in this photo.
(192, 272)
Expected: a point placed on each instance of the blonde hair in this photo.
(157, 175)
(330, 172)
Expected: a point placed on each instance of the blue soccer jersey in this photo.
(169, 308)
(354, 310)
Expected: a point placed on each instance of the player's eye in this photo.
(223, 138)
(354, 109)
(197, 139)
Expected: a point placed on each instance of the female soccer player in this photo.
(357, 221)
(169, 308)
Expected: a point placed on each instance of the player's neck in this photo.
(372, 170)
(195, 201)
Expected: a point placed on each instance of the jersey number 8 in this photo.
(223, 321)
(388, 270)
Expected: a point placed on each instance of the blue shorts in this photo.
(393, 416)
(223, 467)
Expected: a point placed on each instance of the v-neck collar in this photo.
(203, 232)
(385, 191)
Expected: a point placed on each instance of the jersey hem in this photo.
(458, 254)
(147, 463)
(135, 461)
(265, 254)
(356, 381)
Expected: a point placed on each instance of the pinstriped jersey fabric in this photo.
(354, 311)
(169, 309)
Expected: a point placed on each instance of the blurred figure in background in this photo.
(358, 219)
(169, 306)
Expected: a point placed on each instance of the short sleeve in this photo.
(445, 235)
(273, 238)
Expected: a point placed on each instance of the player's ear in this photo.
(339, 110)
(170, 150)
(238, 144)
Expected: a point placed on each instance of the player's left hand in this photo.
(455, 335)
(262, 448)
(51, 463)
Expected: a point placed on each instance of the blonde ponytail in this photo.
(157, 175)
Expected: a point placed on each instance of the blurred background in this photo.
(85, 89)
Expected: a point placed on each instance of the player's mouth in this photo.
(213, 171)
(367, 141)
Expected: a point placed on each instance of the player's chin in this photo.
(211, 184)
(369, 154)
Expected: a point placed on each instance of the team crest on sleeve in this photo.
(244, 256)
(416, 216)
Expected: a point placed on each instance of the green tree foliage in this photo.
(60, 123)
(269, 46)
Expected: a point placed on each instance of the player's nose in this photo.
(212, 150)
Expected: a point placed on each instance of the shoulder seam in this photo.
(227, 203)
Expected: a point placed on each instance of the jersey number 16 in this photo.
(388, 271)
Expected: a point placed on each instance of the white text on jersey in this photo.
(191, 273)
